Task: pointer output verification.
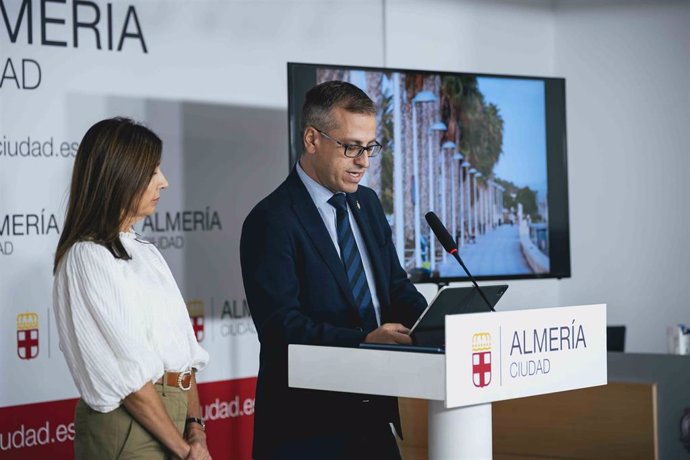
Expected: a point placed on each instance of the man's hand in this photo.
(390, 333)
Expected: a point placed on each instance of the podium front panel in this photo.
(504, 355)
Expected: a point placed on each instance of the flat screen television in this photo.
(486, 153)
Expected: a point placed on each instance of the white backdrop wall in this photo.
(213, 84)
(492, 36)
(627, 68)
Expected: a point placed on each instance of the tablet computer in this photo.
(398, 347)
(429, 330)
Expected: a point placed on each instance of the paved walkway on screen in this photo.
(497, 251)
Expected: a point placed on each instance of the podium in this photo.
(489, 357)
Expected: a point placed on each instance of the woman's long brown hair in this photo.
(114, 165)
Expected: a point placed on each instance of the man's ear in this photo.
(309, 140)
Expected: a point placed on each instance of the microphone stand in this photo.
(454, 253)
(451, 247)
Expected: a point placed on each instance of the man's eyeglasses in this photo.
(354, 150)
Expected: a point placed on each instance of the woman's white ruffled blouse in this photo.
(121, 323)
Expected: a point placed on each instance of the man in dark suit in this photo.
(319, 267)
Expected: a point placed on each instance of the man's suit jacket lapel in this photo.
(309, 217)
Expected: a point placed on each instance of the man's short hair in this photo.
(322, 98)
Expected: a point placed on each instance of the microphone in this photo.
(451, 248)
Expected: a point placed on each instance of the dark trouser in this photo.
(364, 442)
(116, 435)
(377, 443)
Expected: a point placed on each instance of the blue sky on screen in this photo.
(521, 104)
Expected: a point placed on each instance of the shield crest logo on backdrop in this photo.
(27, 335)
(196, 316)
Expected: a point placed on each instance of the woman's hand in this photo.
(198, 451)
(194, 434)
(147, 408)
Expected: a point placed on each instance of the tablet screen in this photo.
(456, 300)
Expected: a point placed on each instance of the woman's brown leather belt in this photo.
(181, 380)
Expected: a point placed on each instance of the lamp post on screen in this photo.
(472, 204)
(478, 208)
(485, 205)
(494, 204)
(456, 193)
(491, 203)
(448, 148)
(398, 189)
(464, 196)
(499, 192)
(434, 128)
(422, 96)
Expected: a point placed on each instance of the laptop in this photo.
(429, 332)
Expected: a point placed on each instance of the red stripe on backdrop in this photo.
(228, 409)
(37, 431)
(46, 430)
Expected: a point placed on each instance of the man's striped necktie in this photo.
(352, 261)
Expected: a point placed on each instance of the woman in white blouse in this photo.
(123, 324)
